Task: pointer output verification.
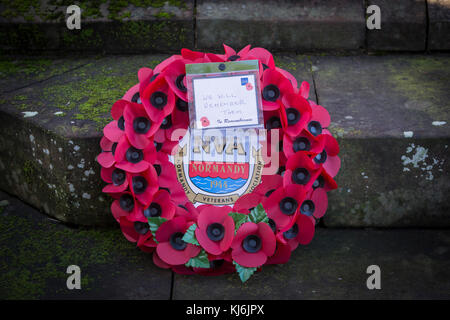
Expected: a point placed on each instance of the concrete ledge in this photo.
(439, 25)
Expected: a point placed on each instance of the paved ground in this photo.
(36, 250)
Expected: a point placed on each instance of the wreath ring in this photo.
(264, 226)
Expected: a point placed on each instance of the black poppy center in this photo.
(121, 123)
(315, 128)
(134, 155)
(215, 232)
(293, 116)
(141, 125)
(158, 99)
(118, 177)
(300, 176)
(272, 225)
(141, 227)
(139, 184)
(319, 183)
(265, 66)
(273, 123)
(179, 83)
(271, 92)
(153, 210)
(158, 145)
(321, 157)
(126, 202)
(181, 105)
(252, 243)
(307, 207)
(136, 98)
(292, 232)
(281, 170)
(167, 122)
(157, 169)
(288, 206)
(233, 57)
(113, 148)
(177, 242)
(268, 193)
(215, 264)
(301, 144)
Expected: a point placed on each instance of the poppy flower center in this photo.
(141, 227)
(315, 128)
(121, 123)
(158, 145)
(118, 177)
(139, 184)
(307, 207)
(134, 155)
(265, 66)
(319, 183)
(179, 83)
(292, 232)
(215, 232)
(141, 125)
(233, 57)
(181, 105)
(113, 148)
(177, 242)
(271, 93)
(157, 169)
(166, 123)
(158, 100)
(268, 193)
(136, 98)
(273, 123)
(153, 210)
(293, 116)
(288, 206)
(301, 144)
(272, 225)
(215, 264)
(281, 170)
(300, 176)
(321, 157)
(252, 243)
(126, 202)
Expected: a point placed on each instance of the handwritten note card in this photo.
(225, 101)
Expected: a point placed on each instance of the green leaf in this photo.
(155, 223)
(238, 218)
(258, 214)
(244, 272)
(200, 261)
(189, 236)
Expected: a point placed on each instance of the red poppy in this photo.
(131, 159)
(106, 157)
(274, 87)
(300, 170)
(302, 142)
(125, 205)
(327, 157)
(290, 77)
(188, 211)
(247, 202)
(167, 179)
(158, 262)
(215, 228)
(116, 128)
(315, 204)
(160, 206)
(282, 205)
(282, 254)
(218, 266)
(158, 99)
(264, 56)
(175, 75)
(252, 244)
(116, 179)
(138, 127)
(324, 181)
(320, 119)
(139, 232)
(304, 89)
(163, 65)
(173, 127)
(171, 248)
(301, 232)
(297, 113)
(144, 185)
(269, 183)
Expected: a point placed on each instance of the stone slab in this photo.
(376, 102)
(36, 251)
(285, 25)
(414, 264)
(439, 25)
(403, 26)
(111, 27)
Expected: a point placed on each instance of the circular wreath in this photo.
(263, 226)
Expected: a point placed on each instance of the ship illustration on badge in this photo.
(218, 166)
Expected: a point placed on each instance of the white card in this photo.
(228, 101)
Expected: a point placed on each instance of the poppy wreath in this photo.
(264, 226)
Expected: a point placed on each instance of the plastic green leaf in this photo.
(258, 214)
(189, 235)
(244, 272)
(200, 261)
(155, 223)
(238, 218)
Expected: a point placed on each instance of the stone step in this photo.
(167, 26)
(36, 251)
(390, 114)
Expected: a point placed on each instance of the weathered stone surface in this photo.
(112, 27)
(388, 179)
(403, 26)
(48, 158)
(439, 24)
(281, 25)
(36, 251)
(415, 264)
